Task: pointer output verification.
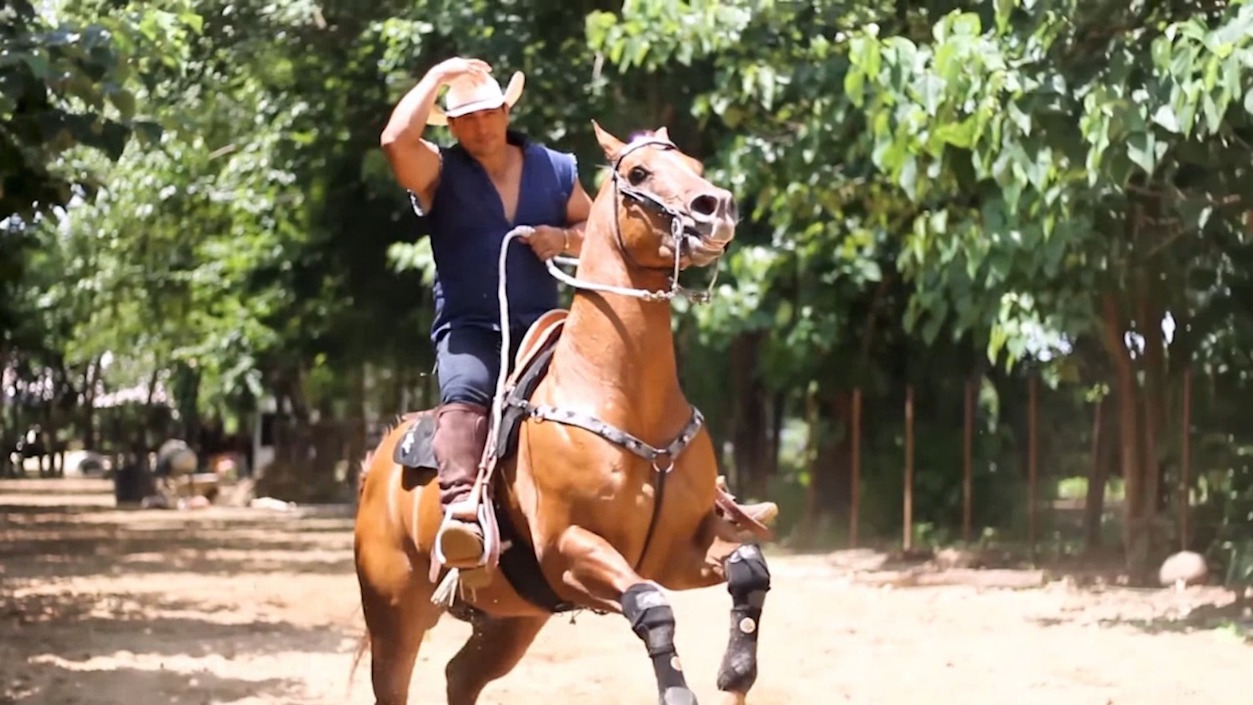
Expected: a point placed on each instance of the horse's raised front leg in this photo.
(598, 570)
(748, 581)
(743, 568)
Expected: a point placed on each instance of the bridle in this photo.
(623, 189)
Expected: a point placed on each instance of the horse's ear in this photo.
(662, 134)
(612, 145)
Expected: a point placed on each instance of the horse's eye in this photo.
(637, 175)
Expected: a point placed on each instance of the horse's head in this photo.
(666, 210)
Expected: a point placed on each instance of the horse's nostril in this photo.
(704, 205)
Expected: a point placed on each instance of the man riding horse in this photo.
(473, 193)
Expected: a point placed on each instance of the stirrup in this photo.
(457, 512)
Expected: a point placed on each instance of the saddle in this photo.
(507, 548)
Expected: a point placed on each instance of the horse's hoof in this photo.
(678, 696)
(738, 671)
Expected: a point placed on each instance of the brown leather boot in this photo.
(460, 432)
(751, 520)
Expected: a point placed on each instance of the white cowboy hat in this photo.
(468, 95)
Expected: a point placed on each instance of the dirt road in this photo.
(259, 607)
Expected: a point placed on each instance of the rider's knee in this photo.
(652, 619)
(465, 391)
(748, 576)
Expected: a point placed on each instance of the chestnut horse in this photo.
(600, 427)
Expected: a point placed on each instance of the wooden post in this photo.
(1096, 436)
(1185, 462)
(1094, 500)
(968, 461)
(1032, 465)
(909, 468)
(855, 463)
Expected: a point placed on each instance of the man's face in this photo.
(481, 132)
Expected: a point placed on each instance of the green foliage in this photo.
(65, 86)
(1021, 158)
(930, 191)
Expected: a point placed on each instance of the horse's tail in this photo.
(363, 470)
(363, 645)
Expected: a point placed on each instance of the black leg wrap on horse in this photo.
(652, 620)
(748, 581)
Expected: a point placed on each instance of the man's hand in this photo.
(457, 67)
(547, 241)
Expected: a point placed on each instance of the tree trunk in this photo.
(144, 442)
(1136, 530)
(1153, 421)
(750, 422)
(89, 404)
(1104, 453)
(356, 423)
(829, 470)
(778, 414)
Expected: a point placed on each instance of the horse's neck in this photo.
(615, 348)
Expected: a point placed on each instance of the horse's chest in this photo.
(642, 484)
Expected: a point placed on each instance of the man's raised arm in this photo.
(414, 160)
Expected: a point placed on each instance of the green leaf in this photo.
(1141, 150)
(37, 62)
(1165, 116)
(1161, 53)
(1020, 119)
(124, 101)
(958, 134)
(909, 177)
(192, 20)
(854, 85)
(996, 342)
(1195, 213)
(967, 24)
(1213, 115)
(1004, 12)
(148, 131)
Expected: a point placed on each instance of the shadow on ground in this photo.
(48, 683)
(63, 542)
(99, 605)
(1235, 618)
(36, 622)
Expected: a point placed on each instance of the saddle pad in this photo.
(415, 449)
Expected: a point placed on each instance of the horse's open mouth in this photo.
(699, 250)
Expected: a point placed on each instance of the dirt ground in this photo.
(100, 606)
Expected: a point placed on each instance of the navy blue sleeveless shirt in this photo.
(467, 226)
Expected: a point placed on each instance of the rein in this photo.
(661, 459)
